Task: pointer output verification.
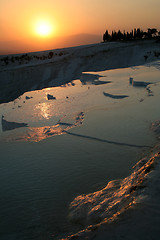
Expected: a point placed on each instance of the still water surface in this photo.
(72, 145)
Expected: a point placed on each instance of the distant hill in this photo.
(12, 47)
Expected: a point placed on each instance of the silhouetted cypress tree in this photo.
(135, 33)
(132, 34)
(106, 36)
(119, 35)
(124, 36)
(149, 33)
(138, 33)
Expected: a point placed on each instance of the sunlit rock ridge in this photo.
(33, 71)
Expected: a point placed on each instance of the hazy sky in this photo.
(19, 19)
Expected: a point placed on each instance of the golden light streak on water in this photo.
(44, 110)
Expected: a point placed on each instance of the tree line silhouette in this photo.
(136, 34)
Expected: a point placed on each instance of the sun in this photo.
(43, 28)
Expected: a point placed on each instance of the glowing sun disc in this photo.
(43, 29)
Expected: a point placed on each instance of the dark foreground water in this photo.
(89, 135)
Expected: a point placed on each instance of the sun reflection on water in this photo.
(37, 134)
(44, 109)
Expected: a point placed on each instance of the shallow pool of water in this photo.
(74, 144)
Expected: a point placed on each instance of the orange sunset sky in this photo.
(33, 25)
